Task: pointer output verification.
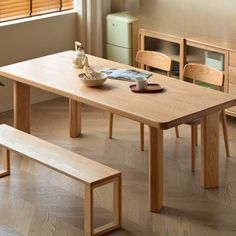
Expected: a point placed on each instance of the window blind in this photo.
(14, 9)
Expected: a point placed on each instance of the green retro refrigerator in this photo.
(121, 38)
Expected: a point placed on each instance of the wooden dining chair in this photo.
(148, 60)
(210, 77)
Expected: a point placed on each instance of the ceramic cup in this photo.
(141, 83)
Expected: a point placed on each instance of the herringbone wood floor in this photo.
(36, 201)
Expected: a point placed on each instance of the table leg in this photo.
(210, 151)
(75, 118)
(156, 169)
(22, 106)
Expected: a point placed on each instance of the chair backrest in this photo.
(205, 74)
(154, 59)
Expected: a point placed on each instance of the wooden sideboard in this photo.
(225, 48)
(232, 79)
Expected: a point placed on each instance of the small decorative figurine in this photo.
(80, 59)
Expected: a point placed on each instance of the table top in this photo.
(180, 102)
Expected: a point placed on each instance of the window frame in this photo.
(40, 13)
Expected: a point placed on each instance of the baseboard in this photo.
(34, 99)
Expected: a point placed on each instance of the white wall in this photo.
(34, 38)
(204, 17)
(124, 5)
(41, 36)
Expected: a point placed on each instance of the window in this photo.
(14, 9)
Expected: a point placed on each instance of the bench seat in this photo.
(91, 173)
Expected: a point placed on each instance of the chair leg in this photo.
(196, 136)
(193, 145)
(142, 136)
(5, 162)
(225, 131)
(110, 125)
(177, 131)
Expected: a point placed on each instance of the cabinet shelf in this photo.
(185, 50)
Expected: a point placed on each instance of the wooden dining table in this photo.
(179, 103)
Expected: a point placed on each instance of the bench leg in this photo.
(5, 162)
(89, 209)
(117, 201)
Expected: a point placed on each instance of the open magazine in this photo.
(123, 74)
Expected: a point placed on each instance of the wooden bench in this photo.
(91, 173)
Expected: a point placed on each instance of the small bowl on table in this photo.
(95, 81)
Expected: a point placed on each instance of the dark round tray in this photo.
(151, 88)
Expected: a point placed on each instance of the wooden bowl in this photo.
(98, 80)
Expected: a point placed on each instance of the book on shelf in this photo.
(125, 74)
